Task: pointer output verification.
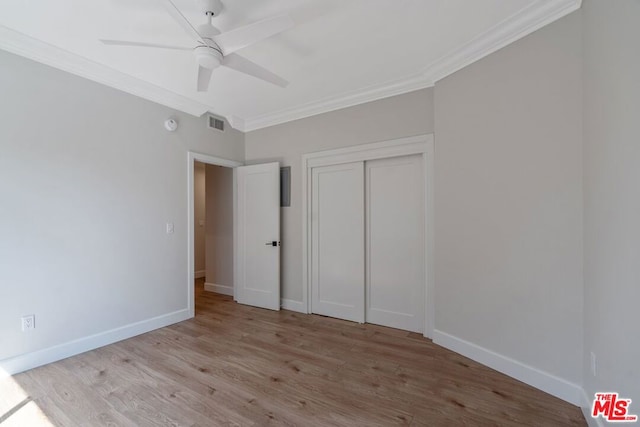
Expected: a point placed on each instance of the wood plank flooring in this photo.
(234, 365)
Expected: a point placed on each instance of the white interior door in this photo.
(337, 235)
(258, 219)
(395, 249)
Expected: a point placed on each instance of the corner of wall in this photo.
(537, 378)
(54, 353)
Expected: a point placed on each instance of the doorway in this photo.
(254, 243)
(211, 226)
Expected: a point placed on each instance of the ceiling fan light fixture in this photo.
(208, 57)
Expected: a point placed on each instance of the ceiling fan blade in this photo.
(249, 34)
(180, 19)
(204, 77)
(245, 66)
(142, 44)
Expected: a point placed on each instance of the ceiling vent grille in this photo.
(215, 123)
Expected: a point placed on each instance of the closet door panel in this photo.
(395, 258)
(337, 241)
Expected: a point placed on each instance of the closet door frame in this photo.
(421, 144)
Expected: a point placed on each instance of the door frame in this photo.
(192, 156)
(420, 144)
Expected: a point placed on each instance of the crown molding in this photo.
(349, 99)
(525, 22)
(517, 26)
(37, 50)
(235, 122)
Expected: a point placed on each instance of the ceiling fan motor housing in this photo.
(208, 57)
(211, 7)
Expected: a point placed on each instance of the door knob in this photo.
(273, 243)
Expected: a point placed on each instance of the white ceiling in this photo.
(340, 53)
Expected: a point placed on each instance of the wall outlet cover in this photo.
(28, 322)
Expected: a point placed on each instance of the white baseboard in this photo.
(289, 304)
(32, 360)
(200, 274)
(219, 289)
(544, 381)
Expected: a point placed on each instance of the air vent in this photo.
(216, 123)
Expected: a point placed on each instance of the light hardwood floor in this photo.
(238, 365)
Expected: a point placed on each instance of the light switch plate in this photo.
(169, 228)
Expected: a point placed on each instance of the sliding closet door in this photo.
(395, 257)
(337, 235)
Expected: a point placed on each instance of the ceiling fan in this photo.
(216, 49)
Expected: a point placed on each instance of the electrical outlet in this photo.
(28, 322)
(594, 364)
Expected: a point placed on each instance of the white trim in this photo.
(517, 26)
(292, 305)
(236, 265)
(521, 24)
(349, 99)
(235, 122)
(429, 200)
(37, 50)
(200, 274)
(544, 381)
(34, 359)
(376, 150)
(219, 289)
(192, 156)
(420, 144)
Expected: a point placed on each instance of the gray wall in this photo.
(508, 208)
(219, 225)
(88, 180)
(396, 117)
(612, 196)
